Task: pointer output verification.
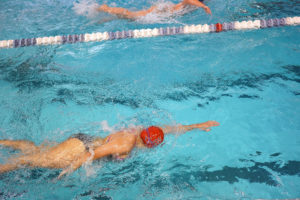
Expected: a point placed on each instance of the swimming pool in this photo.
(246, 80)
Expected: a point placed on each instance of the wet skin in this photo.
(126, 14)
(72, 153)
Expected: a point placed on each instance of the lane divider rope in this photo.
(143, 33)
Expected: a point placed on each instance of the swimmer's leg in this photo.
(23, 145)
(123, 12)
(32, 160)
(12, 164)
(8, 167)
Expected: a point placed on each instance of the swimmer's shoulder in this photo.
(133, 130)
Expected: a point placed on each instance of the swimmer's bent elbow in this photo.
(125, 147)
(113, 148)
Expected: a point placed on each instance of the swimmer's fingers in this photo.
(207, 10)
(205, 129)
(61, 175)
(206, 125)
(213, 123)
(64, 172)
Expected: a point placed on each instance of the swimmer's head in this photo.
(152, 136)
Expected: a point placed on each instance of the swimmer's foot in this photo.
(207, 125)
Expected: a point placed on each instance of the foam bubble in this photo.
(86, 8)
(106, 127)
(90, 170)
(162, 14)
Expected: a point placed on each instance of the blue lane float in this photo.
(144, 33)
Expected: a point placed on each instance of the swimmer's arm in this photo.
(75, 164)
(111, 148)
(199, 4)
(205, 126)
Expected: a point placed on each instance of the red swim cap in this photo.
(152, 136)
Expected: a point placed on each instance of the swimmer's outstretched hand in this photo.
(207, 10)
(205, 126)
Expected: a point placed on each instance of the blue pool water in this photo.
(249, 81)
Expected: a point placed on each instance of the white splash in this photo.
(106, 127)
(86, 8)
(163, 14)
(90, 170)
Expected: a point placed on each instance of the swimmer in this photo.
(80, 148)
(171, 8)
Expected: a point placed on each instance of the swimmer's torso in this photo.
(63, 154)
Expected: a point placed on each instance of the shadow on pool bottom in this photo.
(255, 174)
(184, 176)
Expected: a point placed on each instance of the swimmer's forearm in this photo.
(205, 126)
(118, 11)
(99, 152)
(75, 165)
(196, 3)
(199, 4)
(114, 148)
(178, 128)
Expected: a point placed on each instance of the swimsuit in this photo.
(87, 140)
